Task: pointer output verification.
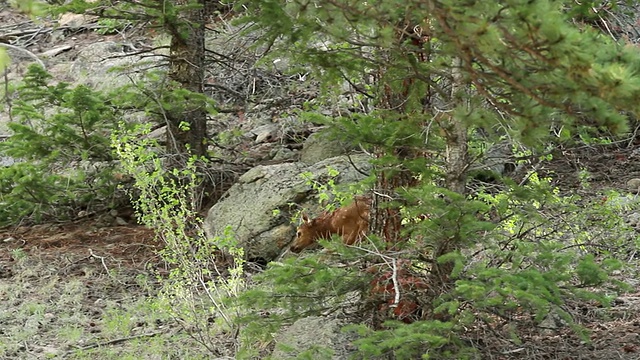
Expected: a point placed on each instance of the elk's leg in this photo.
(351, 237)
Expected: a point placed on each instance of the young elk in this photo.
(351, 222)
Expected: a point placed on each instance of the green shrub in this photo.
(60, 147)
(196, 291)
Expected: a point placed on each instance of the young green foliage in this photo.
(198, 286)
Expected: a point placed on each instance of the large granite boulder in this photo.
(258, 207)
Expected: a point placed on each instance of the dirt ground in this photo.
(61, 287)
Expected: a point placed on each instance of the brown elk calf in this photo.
(350, 222)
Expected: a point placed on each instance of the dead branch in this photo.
(31, 55)
(115, 341)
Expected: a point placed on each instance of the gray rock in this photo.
(320, 146)
(94, 64)
(159, 134)
(264, 133)
(258, 207)
(282, 153)
(76, 21)
(633, 185)
(314, 332)
(633, 219)
(498, 158)
(7, 161)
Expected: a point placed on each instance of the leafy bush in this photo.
(200, 282)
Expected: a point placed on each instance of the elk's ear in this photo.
(304, 217)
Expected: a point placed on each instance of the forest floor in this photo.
(81, 291)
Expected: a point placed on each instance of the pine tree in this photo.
(184, 106)
(430, 75)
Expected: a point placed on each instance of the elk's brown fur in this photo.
(350, 222)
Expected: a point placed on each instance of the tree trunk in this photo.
(188, 126)
(386, 221)
(456, 162)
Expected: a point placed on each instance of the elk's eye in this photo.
(299, 234)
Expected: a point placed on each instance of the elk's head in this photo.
(306, 235)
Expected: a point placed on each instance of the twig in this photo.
(514, 351)
(383, 195)
(604, 23)
(32, 55)
(139, 52)
(215, 302)
(73, 263)
(237, 94)
(355, 167)
(115, 341)
(535, 170)
(104, 265)
(394, 274)
(396, 286)
(21, 33)
(633, 137)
